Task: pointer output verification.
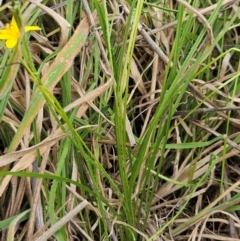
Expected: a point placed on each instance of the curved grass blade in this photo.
(58, 68)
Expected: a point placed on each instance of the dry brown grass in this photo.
(76, 156)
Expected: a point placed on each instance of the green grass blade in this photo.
(59, 67)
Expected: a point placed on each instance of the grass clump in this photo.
(119, 121)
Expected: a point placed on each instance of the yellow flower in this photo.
(12, 33)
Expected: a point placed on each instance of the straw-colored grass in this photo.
(120, 121)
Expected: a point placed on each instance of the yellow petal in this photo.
(11, 43)
(8, 26)
(14, 26)
(31, 28)
(5, 34)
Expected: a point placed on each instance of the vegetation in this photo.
(120, 121)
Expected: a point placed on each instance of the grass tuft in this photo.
(120, 121)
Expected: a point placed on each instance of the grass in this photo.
(119, 121)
